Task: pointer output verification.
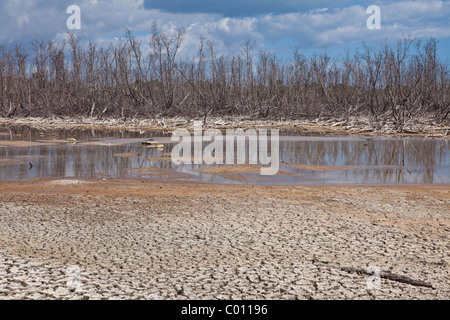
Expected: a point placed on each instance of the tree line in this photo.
(393, 81)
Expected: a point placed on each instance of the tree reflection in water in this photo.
(351, 160)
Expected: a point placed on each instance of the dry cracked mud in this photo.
(133, 239)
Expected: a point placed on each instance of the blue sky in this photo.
(279, 26)
(240, 8)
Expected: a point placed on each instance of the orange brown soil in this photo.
(319, 168)
(55, 141)
(4, 162)
(239, 168)
(18, 143)
(126, 155)
(142, 239)
(159, 159)
(31, 156)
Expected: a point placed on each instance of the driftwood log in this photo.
(390, 276)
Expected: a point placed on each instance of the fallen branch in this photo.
(390, 276)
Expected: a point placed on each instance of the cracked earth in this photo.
(133, 239)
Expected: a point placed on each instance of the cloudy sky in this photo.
(277, 25)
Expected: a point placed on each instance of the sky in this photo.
(279, 26)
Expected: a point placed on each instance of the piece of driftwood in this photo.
(390, 276)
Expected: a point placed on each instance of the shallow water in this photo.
(28, 153)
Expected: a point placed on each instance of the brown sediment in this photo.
(32, 156)
(55, 141)
(19, 143)
(126, 155)
(233, 171)
(4, 162)
(97, 143)
(319, 168)
(238, 168)
(159, 159)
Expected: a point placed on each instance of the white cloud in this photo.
(25, 20)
